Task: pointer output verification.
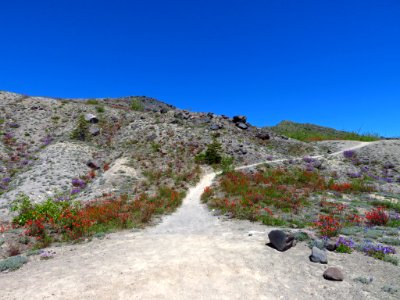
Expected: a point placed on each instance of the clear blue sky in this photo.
(334, 63)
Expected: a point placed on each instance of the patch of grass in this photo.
(301, 236)
(387, 205)
(271, 221)
(391, 259)
(363, 280)
(136, 104)
(100, 109)
(390, 289)
(92, 102)
(310, 132)
(13, 263)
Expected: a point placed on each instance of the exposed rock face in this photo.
(281, 240)
(333, 274)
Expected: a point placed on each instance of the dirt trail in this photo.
(189, 255)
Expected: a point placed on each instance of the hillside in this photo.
(122, 187)
(310, 132)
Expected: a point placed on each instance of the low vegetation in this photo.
(311, 132)
(67, 220)
(296, 197)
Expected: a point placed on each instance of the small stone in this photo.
(93, 164)
(163, 110)
(318, 256)
(281, 240)
(330, 245)
(334, 274)
(94, 130)
(91, 118)
(215, 127)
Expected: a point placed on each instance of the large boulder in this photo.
(334, 274)
(263, 136)
(239, 119)
(281, 240)
(318, 256)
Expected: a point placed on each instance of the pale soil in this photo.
(192, 254)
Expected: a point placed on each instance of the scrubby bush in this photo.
(81, 131)
(137, 105)
(13, 263)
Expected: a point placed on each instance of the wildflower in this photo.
(377, 216)
(349, 154)
(354, 175)
(308, 160)
(75, 191)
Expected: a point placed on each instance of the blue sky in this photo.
(334, 63)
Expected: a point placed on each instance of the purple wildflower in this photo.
(370, 249)
(309, 168)
(308, 160)
(354, 175)
(349, 154)
(78, 183)
(75, 191)
(6, 180)
(346, 242)
(47, 140)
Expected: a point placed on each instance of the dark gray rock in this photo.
(263, 136)
(334, 274)
(163, 110)
(93, 164)
(215, 127)
(242, 126)
(330, 245)
(281, 240)
(94, 130)
(239, 119)
(91, 118)
(318, 256)
(13, 125)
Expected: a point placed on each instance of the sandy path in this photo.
(189, 255)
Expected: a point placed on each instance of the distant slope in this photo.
(310, 132)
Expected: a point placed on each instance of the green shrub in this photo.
(391, 259)
(227, 164)
(343, 249)
(100, 109)
(92, 102)
(81, 131)
(213, 153)
(13, 263)
(301, 236)
(363, 280)
(137, 105)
